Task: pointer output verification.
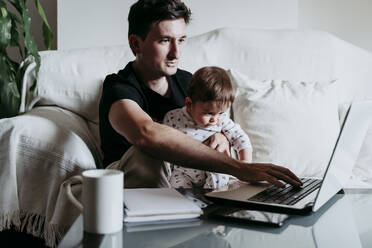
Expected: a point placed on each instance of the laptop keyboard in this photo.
(289, 195)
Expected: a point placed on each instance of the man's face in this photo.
(159, 53)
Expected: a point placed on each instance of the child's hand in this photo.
(245, 155)
(218, 142)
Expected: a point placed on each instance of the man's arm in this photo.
(169, 144)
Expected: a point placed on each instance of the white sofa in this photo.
(316, 76)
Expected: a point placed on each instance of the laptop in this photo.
(315, 192)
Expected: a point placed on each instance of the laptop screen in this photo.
(346, 150)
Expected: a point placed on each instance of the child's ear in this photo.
(188, 102)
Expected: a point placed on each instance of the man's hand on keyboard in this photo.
(271, 173)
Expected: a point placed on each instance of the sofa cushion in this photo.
(72, 79)
(293, 124)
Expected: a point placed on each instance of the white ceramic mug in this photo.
(102, 200)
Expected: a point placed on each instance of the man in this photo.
(137, 97)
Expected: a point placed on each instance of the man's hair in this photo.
(144, 13)
(211, 83)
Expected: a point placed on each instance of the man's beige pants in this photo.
(142, 170)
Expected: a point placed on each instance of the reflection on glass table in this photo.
(345, 222)
(253, 217)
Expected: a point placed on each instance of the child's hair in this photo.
(211, 83)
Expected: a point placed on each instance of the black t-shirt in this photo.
(125, 85)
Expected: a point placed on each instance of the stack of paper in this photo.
(157, 204)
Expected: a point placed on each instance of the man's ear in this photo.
(135, 43)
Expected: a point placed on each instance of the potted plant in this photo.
(15, 32)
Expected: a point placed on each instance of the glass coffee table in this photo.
(346, 221)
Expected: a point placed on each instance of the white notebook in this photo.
(157, 204)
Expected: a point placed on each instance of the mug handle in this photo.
(70, 196)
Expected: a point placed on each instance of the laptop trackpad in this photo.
(239, 191)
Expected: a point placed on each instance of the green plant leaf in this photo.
(9, 95)
(5, 27)
(16, 5)
(10, 99)
(29, 41)
(47, 32)
(15, 28)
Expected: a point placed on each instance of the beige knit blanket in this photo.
(39, 151)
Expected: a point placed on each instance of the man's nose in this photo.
(175, 50)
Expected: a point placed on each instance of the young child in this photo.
(209, 97)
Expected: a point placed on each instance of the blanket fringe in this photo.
(33, 224)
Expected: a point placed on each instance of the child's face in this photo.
(206, 113)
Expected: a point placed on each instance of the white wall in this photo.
(259, 14)
(350, 20)
(90, 23)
